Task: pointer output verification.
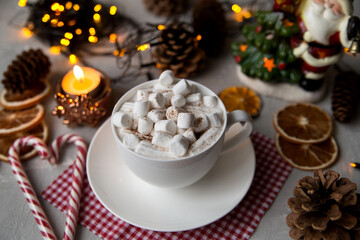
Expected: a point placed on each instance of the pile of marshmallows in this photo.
(171, 119)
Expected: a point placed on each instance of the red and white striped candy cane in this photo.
(78, 176)
(25, 186)
(77, 179)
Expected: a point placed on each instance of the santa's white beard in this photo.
(321, 22)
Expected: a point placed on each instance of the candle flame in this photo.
(353, 164)
(78, 73)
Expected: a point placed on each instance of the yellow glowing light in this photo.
(113, 10)
(97, 18)
(27, 32)
(93, 39)
(55, 6)
(120, 53)
(55, 49)
(68, 35)
(22, 3)
(60, 24)
(161, 27)
(92, 31)
(236, 8)
(198, 37)
(65, 42)
(45, 18)
(143, 47)
(247, 14)
(71, 23)
(61, 8)
(68, 5)
(73, 59)
(60, 108)
(112, 37)
(54, 21)
(76, 7)
(353, 164)
(78, 31)
(97, 7)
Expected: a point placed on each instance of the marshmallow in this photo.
(215, 120)
(127, 107)
(205, 140)
(182, 88)
(190, 135)
(131, 141)
(194, 99)
(166, 78)
(167, 95)
(142, 95)
(185, 120)
(157, 114)
(145, 125)
(181, 130)
(161, 139)
(147, 149)
(195, 109)
(141, 108)
(201, 123)
(160, 88)
(210, 101)
(178, 101)
(122, 120)
(157, 100)
(166, 126)
(172, 113)
(179, 146)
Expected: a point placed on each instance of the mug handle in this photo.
(234, 117)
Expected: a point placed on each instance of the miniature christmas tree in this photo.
(266, 52)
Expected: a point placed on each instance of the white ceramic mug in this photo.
(181, 172)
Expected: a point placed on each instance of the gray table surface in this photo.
(16, 221)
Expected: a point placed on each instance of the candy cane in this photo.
(25, 186)
(29, 193)
(77, 179)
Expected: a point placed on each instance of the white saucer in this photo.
(153, 208)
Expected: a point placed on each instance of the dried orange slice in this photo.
(17, 121)
(303, 123)
(28, 101)
(241, 98)
(40, 131)
(308, 156)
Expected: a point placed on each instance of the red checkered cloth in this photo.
(271, 173)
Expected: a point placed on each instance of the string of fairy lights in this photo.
(76, 27)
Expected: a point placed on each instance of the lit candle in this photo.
(81, 80)
(355, 165)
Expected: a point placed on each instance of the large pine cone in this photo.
(344, 96)
(209, 21)
(166, 8)
(324, 208)
(26, 72)
(178, 51)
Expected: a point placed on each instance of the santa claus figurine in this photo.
(326, 27)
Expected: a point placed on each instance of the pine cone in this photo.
(209, 21)
(26, 71)
(324, 208)
(166, 8)
(344, 96)
(178, 51)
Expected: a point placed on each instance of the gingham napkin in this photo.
(271, 173)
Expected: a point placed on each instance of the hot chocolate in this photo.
(171, 119)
